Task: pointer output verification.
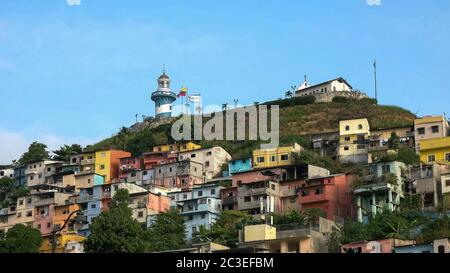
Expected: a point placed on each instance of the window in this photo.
(49, 225)
(447, 183)
(305, 192)
(89, 181)
(208, 153)
(116, 187)
(200, 193)
(133, 174)
(29, 213)
(28, 200)
(207, 164)
(49, 169)
(435, 129)
(293, 199)
(273, 158)
(144, 173)
(203, 216)
(386, 169)
(447, 157)
(93, 206)
(360, 127)
(441, 249)
(361, 147)
(347, 138)
(19, 214)
(346, 148)
(284, 157)
(102, 167)
(431, 158)
(32, 177)
(421, 131)
(39, 226)
(319, 191)
(193, 155)
(190, 217)
(260, 159)
(185, 196)
(20, 202)
(247, 199)
(347, 128)
(140, 214)
(213, 191)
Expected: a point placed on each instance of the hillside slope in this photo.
(296, 124)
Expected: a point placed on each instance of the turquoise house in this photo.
(239, 165)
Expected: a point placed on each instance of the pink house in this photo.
(43, 219)
(158, 203)
(130, 164)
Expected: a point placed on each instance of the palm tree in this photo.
(288, 94)
(225, 106)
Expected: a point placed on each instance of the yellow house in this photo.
(65, 243)
(354, 140)
(180, 147)
(435, 150)
(259, 232)
(281, 156)
(107, 163)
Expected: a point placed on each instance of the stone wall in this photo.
(328, 97)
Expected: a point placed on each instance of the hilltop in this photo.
(298, 120)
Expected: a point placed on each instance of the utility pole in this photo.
(375, 78)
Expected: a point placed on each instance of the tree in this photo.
(394, 141)
(408, 156)
(292, 217)
(36, 151)
(225, 230)
(140, 142)
(437, 229)
(115, 231)
(65, 152)
(10, 192)
(312, 215)
(21, 239)
(167, 231)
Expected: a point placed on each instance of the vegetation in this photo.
(167, 232)
(9, 192)
(115, 231)
(225, 230)
(334, 166)
(36, 151)
(21, 239)
(65, 152)
(305, 217)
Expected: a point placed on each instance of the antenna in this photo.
(375, 78)
(235, 103)
(164, 69)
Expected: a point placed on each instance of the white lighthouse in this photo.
(163, 97)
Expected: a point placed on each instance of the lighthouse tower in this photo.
(163, 97)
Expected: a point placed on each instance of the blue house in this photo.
(419, 248)
(90, 201)
(239, 165)
(19, 176)
(200, 206)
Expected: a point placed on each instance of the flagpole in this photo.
(375, 77)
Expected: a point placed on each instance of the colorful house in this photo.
(436, 150)
(281, 156)
(381, 189)
(239, 165)
(66, 243)
(130, 165)
(107, 163)
(153, 159)
(376, 246)
(177, 147)
(354, 140)
(212, 160)
(430, 127)
(200, 206)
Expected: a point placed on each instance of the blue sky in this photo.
(77, 73)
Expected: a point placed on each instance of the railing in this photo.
(85, 198)
(88, 161)
(229, 200)
(44, 202)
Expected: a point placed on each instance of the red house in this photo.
(331, 194)
(153, 159)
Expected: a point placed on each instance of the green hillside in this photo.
(297, 122)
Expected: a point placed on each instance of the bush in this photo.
(304, 100)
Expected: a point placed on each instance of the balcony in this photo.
(44, 202)
(85, 198)
(229, 200)
(249, 205)
(313, 198)
(258, 191)
(41, 217)
(31, 171)
(90, 161)
(106, 195)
